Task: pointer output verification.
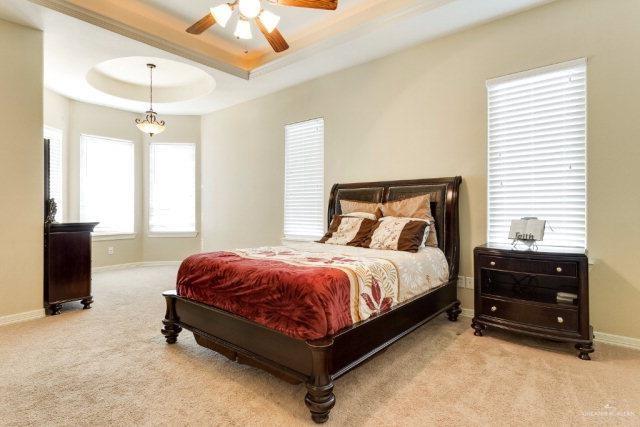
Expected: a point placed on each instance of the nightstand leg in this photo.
(54, 309)
(585, 349)
(86, 303)
(477, 327)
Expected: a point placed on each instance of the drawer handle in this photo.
(560, 319)
(492, 263)
(559, 269)
(494, 308)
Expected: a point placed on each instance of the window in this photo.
(107, 184)
(537, 152)
(172, 188)
(304, 180)
(55, 168)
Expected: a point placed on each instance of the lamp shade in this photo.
(269, 20)
(243, 30)
(249, 8)
(222, 13)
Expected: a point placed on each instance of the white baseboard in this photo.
(21, 317)
(617, 340)
(134, 264)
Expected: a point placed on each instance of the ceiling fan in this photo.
(265, 20)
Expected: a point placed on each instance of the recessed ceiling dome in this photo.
(128, 78)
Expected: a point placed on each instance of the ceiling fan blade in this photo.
(312, 4)
(198, 28)
(275, 39)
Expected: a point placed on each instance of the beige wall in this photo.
(422, 113)
(21, 169)
(91, 119)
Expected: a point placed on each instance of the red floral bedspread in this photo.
(303, 295)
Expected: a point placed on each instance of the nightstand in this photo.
(543, 293)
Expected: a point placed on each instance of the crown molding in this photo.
(84, 14)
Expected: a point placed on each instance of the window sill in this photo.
(169, 234)
(299, 239)
(99, 237)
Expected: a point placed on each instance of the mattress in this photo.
(309, 290)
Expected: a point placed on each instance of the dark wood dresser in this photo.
(67, 264)
(544, 293)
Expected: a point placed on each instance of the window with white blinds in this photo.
(172, 188)
(537, 152)
(55, 169)
(107, 184)
(304, 180)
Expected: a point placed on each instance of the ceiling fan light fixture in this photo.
(243, 30)
(269, 19)
(222, 13)
(249, 8)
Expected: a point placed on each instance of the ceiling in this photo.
(113, 38)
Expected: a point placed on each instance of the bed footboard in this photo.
(317, 363)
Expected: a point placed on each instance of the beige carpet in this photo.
(110, 365)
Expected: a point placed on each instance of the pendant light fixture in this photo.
(150, 124)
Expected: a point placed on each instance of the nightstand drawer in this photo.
(532, 314)
(521, 265)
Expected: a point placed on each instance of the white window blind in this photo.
(172, 188)
(107, 184)
(304, 180)
(537, 152)
(55, 169)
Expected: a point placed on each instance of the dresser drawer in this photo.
(521, 265)
(565, 319)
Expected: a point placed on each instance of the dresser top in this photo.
(542, 250)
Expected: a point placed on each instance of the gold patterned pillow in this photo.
(414, 207)
(398, 234)
(348, 230)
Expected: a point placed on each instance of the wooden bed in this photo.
(318, 363)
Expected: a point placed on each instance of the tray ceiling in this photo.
(80, 34)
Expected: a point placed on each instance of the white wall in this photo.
(21, 169)
(422, 113)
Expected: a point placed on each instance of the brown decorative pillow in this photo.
(348, 230)
(399, 234)
(350, 206)
(414, 207)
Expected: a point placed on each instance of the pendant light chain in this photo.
(151, 67)
(150, 124)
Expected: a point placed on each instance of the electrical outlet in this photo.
(110, 250)
(468, 282)
(461, 280)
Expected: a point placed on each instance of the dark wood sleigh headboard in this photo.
(444, 206)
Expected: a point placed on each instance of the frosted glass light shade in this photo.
(150, 128)
(249, 8)
(150, 124)
(222, 13)
(269, 20)
(243, 30)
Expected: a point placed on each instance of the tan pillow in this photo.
(414, 207)
(348, 230)
(398, 234)
(350, 206)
